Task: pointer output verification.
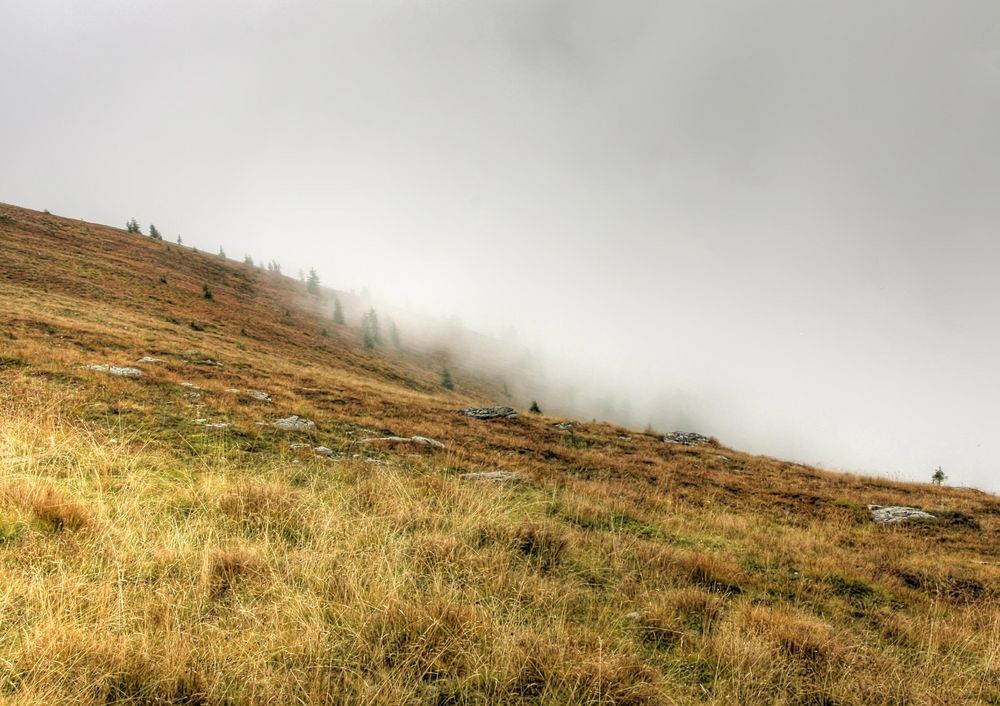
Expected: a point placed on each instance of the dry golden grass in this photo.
(147, 559)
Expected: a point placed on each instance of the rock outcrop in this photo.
(417, 441)
(500, 476)
(294, 423)
(893, 514)
(685, 438)
(489, 412)
(124, 372)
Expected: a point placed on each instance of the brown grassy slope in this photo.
(148, 559)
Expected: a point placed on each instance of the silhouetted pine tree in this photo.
(338, 311)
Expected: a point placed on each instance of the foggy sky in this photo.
(773, 221)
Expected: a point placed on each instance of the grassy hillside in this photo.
(163, 543)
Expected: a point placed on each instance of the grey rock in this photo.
(634, 615)
(296, 447)
(294, 423)
(217, 425)
(893, 514)
(259, 395)
(149, 359)
(124, 372)
(419, 441)
(566, 425)
(501, 476)
(685, 438)
(323, 451)
(489, 412)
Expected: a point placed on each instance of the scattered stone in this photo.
(191, 385)
(256, 394)
(296, 447)
(294, 423)
(115, 370)
(685, 438)
(323, 451)
(566, 425)
(149, 359)
(489, 412)
(634, 615)
(201, 421)
(501, 476)
(209, 361)
(893, 514)
(419, 441)
(217, 425)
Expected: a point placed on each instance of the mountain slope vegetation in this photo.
(163, 542)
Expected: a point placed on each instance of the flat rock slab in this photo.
(489, 412)
(149, 359)
(323, 451)
(500, 476)
(124, 372)
(894, 514)
(294, 423)
(259, 395)
(417, 441)
(685, 438)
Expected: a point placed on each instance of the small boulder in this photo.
(893, 514)
(685, 438)
(294, 423)
(149, 359)
(489, 412)
(417, 441)
(500, 476)
(123, 372)
(323, 451)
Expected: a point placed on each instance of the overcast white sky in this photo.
(781, 216)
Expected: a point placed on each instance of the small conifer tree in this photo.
(312, 282)
(446, 381)
(394, 335)
(222, 253)
(338, 311)
(370, 336)
(534, 408)
(132, 226)
(939, 476)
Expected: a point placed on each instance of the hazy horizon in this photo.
(770, 222)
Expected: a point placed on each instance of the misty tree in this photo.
(338, 311)
(274, 266)
(939, 476)
(370, 335)
(132, 226)
(312, 282)
(179, 241)
(446, 381)
(247, 260)
(534, 408)
(394, 335)
(302, 275)
(222, 253)
(154, 233)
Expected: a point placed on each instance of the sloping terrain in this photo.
(163, 542)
